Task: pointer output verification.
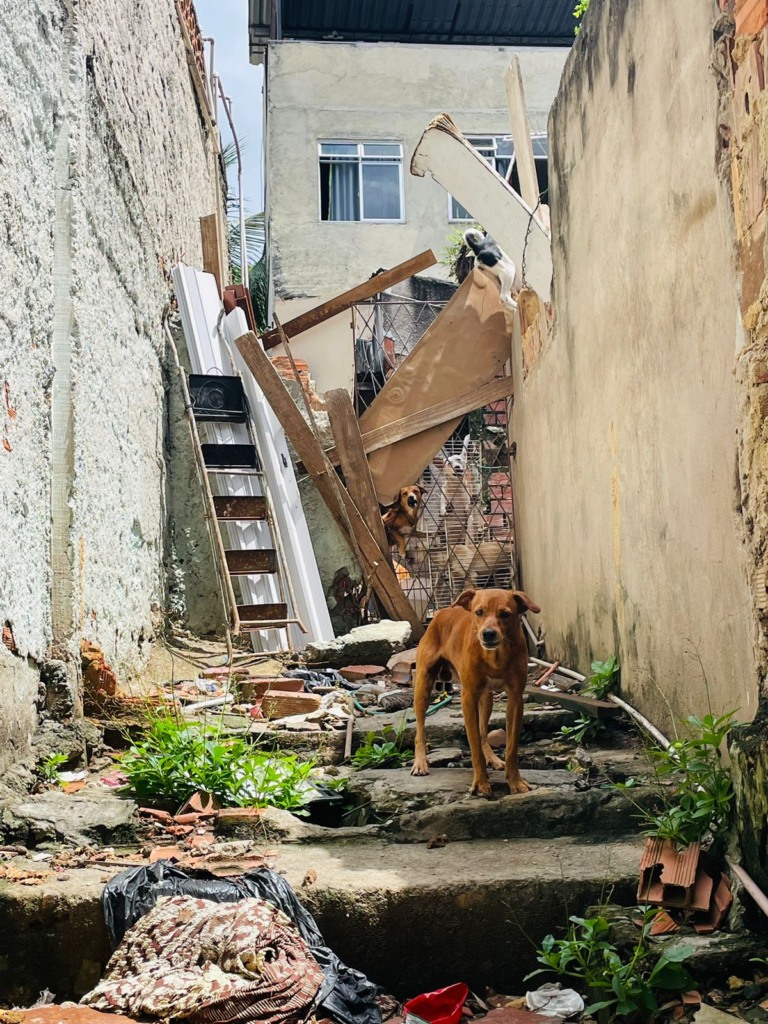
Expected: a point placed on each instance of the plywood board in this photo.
(465, 347)
(444, 153)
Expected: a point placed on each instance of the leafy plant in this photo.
(581, 8)
(255, 245)
(604, 678)
(704, 792)
(382, 751)
(457, 256)
(176, 758)
(48, 770)
(619, 984)
(584, 729)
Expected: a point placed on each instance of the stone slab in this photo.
(373, 644)
(93, 815)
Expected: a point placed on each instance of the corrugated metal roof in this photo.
(489, 22)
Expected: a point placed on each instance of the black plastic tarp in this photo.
(347, 996)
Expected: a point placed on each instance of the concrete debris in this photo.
(95, 816)
(371, 644)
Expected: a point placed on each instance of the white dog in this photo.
(492, 260)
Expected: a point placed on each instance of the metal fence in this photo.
(467, 516)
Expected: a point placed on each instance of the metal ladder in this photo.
(211, 399)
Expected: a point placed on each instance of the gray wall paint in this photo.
(377, 91)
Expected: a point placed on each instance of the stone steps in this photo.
(411, 919)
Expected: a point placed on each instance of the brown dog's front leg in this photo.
(485, 708)
(470, 705)
(514, 726)
(422, 691)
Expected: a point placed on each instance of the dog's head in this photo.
(496, 614)
(410, 497)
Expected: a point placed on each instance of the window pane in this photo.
(503, 165)
(458, 212)
(343, 194)
(482, 142)
(505, 147)
(338, 148)
(382, 149)
(540, 145)
(381, 191)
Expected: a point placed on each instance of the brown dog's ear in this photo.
(465, 600)
(419, 488)
(524, 603)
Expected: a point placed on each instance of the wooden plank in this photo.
(245, 508)
(251, 563)
(361, 292)
(262, 612)
(433, 416)
(521, 133)
(307, 447)
(209, 233)
(471, 344)
(573, 702)
(354, 464)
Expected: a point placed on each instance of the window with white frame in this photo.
(499, 152)
(361, 181)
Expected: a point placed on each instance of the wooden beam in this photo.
(354, 464)
(436, 414)
(335, 495)
(521, 133)
(361, 292)
(573, 702)
(209, 233)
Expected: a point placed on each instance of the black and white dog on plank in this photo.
(492, 260)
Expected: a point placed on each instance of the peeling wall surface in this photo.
(106, 171)
(376, 91)
(740, 56)
(627, 487)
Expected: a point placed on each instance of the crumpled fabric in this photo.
(346, 995)
(211, 962)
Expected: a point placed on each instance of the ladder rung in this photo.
(262, 612)
(249, 508)
(230, 471)
(239, 456)
(251, 563)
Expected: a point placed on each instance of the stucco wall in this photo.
(626, 474)
(320, 90)
(106, 172)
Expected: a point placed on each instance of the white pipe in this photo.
(757, 894)
(211, 77)
(227, 104)
(660, 738)
(560, 670)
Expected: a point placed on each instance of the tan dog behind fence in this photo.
(400, 520)
(481, 638)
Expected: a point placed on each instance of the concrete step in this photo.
(417, 809)
(412, 919)
(95, 815)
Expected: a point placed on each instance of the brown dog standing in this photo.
(481, 637)
(400, 520)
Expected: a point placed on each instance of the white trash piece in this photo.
(553, 1001)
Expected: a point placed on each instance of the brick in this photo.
(752, 258)
(748, 83)
(753, 185)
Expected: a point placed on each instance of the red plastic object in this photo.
(441, 1007)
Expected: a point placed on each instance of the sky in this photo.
(227, 22)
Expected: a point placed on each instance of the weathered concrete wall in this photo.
(369, 91)
(740, 55)
(106, 172)
(627, 485)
